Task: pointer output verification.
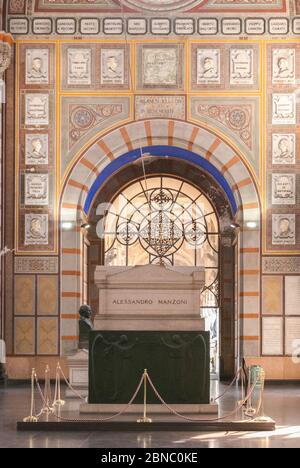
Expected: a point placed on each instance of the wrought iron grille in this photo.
(164, 220)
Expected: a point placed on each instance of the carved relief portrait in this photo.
(160, 66)
(208, 66)
(283, 189)
(283, 109)
(112, 66)
(36, 229)
(283, 229)
(241, 66)
(36, 149)
(284, 66)
(79, 66)
(37, 109)
(284, 148)
(36, 189)
(37, 66)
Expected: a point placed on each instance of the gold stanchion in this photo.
(31, 418)
(57, 397)
(145, 419)
(47, 409)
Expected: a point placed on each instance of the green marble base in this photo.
(177, 362)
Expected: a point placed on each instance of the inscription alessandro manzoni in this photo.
(149, 302)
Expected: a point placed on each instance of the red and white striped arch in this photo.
(171, 133)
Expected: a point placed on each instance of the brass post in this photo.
(31, 418)
(145, 419)
(47, 409)
(58, 401)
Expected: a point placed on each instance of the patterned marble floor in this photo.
(282, 403)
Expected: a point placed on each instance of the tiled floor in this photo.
(282, 403)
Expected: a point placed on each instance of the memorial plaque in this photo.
(36, 189)
(160, 26)
(36, 109)
(292, 336)
(278, 26)
(284, 148)
(281, 265)
(232, 26)
(292, 295)
(208, 66)
(37, 66)
(283, 229)
(36, 149)
(283, 189)
(136, 26)
(36, 229)
(113, 26)
(112, 66)
(272, 336)
(79, 66)
(18, 26)
(169, 107)
(296, 25)
(184, 26)
(42, 26)
(241, 67)
(284, 66)
(66, 26)
(255, 26)
(160, 66)
(89, 26)
(284, 109)
(208, 26)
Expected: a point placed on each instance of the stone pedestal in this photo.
(78, 374)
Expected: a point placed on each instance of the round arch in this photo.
(162, 138)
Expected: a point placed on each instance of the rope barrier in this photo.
(51, 407)
(229, 386)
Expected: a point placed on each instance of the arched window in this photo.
(164, 220)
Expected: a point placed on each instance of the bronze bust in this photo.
(85, 326)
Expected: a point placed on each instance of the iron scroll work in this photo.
(167, 221)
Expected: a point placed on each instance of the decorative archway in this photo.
(184, 141)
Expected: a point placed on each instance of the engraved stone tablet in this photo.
(136, 26)
(255, 26)
(272, 336)
(241, 67)
(170, 107)
(112, 66)
(36, 109)
(113, 26)
(37, 66)
(284, 109)
(18, 26)
(42, 26)
(284, 66)
(208, 27)
(184, 26)
(66, 26)
(36, 189)
(208, 66)
(283, 229)
(283, 189)
(79, 66)
(36, 229)
(292, 295)
(89, 26)
(160, 66)
(36, 149)
(232, 26)
(278, 26)
(292, 336)
(284, 148)
(160, 26)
